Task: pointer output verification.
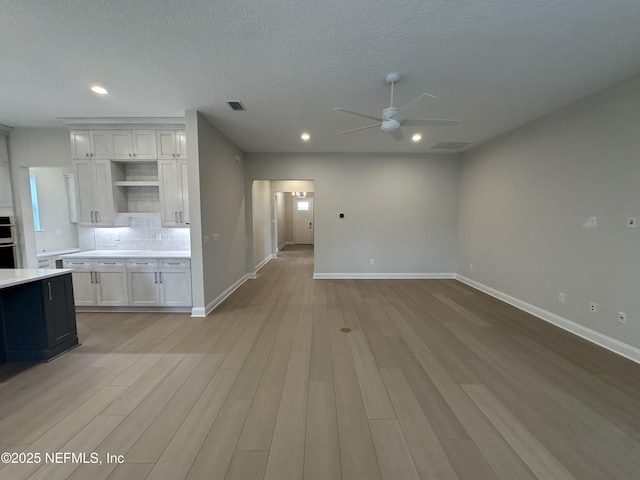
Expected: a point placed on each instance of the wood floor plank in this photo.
(394, 458)
(131, 471)
(216, 451)
(179, 455)
(541, 462)
(376, 400)
(247, 465)
(467, 460)
(322, 452)
(286, 455)
(430, 458)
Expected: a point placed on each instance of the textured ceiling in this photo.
(493, 64)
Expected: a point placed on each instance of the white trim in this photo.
(616, 346)
(284, 244)
(124, 122)
(264, 262)
(211, 306)
(382, 276)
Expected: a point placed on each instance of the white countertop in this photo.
(10, 277)
(131, 254)
(54, 253)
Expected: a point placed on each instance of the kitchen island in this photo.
(37, 316)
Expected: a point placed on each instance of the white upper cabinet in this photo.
(94, 192)
(133, 145)
(90, 144)
(174, 193)
(172, 144)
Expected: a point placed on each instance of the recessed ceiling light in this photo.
(305, 136)
(99, 90)
(416, 137)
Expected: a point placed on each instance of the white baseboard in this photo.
(382, 276)
(616, 346)
(253, 275)
(203, 312)
(284, 244)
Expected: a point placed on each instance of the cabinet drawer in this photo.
(142, 263)
(78, 263)
(174, 263)
(111, 263)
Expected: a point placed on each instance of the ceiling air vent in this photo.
(237, 106)
(449, 145)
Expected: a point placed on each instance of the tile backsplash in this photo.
(143, 233)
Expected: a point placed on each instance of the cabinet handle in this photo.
(108, 263)
(49, 285)
(155, 275)
(180, 216)
(92, 154)
(178, 155)
(91, 213)
(97, 217)
(160, 274)
(97, 277)
(175, 216)
(134, 154)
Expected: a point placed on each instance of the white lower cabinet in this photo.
(98, 282)
(162, 282)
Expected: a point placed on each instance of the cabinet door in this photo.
(60, 316)
(143, 287)
(111, 287)
(183, 192)
(84, 290)
(85, 194)
(121, 145)
(144, 144)
(80, 144)
(175, 286)
(167, 173)
(101, 144)
(103, 191)
(166, 144)
(181, 144)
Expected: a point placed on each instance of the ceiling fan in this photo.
(389, 121)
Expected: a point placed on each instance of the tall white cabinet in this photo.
(5, 178)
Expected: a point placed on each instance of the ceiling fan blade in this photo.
(358, 114)
(430, 121)
(361, 128)
(425, 94)
(397, 135)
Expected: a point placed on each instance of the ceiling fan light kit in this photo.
(388, 121)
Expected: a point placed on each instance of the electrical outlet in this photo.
(561, 297)
(632, 222)
(622, 317)
(216, 237)
(371, 261)
(205, 239)
(593, 307)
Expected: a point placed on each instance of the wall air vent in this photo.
(237, 106)
(449, 145)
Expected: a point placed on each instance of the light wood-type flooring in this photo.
(434, 381)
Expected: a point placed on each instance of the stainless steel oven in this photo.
(8, 243)
(7, 230)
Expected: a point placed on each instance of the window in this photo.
(303, 206)
(34, 203)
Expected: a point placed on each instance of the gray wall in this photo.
(216, 202)
(262, 225)
(525, 199)
(400, 209)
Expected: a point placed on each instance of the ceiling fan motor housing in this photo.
(391, 125)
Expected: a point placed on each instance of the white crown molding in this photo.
(616, 346)
(382, 276)
(123, 122)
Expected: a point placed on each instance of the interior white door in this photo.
(303, 220)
